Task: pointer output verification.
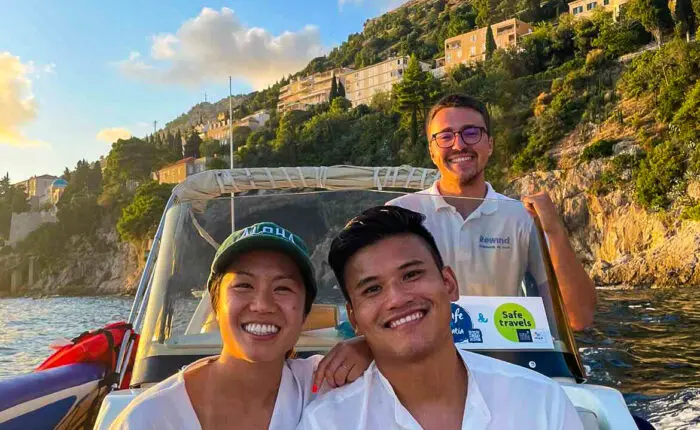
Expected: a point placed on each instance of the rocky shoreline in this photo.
(620, 243)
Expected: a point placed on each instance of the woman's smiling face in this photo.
(261, 306)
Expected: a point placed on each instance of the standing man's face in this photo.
(459, 163)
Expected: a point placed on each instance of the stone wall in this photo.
(22, 224)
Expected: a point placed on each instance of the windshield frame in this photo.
(153, 353)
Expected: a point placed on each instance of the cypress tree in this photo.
(685, 16)
(334, 90)
(490, 42)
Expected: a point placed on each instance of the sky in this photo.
(75, 75)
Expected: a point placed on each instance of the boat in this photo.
(171, 324)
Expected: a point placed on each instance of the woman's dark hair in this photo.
(458, 101)
(216, 286)
(371, 226)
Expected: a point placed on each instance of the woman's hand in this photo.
(344, 363)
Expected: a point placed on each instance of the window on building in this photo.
(448, 58)
(504, 29)
(606, 2)
(473, 38)
(590, 6)
(459, 54)
(472, 50)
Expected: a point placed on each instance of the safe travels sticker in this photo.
(514, 322)
(499, 323)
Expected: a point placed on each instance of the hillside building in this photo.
(301, 93)
(585, 8)
(220, 129)
(470, 48)
(361, 85)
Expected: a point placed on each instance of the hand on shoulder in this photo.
(343, 364)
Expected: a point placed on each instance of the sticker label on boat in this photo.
(500, 323)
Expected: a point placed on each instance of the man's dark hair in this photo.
(371, 226)
(458, 101)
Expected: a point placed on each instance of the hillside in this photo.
(613, 141)
(203, 112)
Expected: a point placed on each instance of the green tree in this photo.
(341, 89)
(192, 145)
(659, 173)
(534, 10)
(687, 118)
(139, 219)
(210, 147)
(334, 90)
(287, 138)
(412, 97)
(130, 160)
(685, 16)
(216, 163)
(12, 200)
(340, 105)
(654, 15)
(240, 135)
(490, 42)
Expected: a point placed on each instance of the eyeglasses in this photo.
(471, 135)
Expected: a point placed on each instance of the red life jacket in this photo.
(96, 346)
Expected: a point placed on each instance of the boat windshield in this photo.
(509, 306)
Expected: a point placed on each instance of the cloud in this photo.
(216, 44)
(113, 134)
(17, 104)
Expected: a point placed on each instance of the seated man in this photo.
(460, 145)
(398, 294)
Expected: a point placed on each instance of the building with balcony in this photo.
(470, 48)
(301, 93)
(361, 85)
(220, 129)
(180, 170)
(37, 189)
(585, 8)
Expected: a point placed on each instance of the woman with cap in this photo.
(262, 287)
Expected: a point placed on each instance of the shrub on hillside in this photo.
(599, 149)
(691, 212)
(663, 169)
(667, 73)
(217, 163)
(687, 118)
(139, 219)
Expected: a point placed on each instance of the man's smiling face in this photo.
(460, 163)
(400, 299)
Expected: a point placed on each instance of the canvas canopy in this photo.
(213, 183)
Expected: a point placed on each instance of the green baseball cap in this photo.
(266, 236)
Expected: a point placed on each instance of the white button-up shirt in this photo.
(500, 396)
(491, 250)
(167, 406)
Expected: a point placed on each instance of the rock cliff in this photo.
(620, 242)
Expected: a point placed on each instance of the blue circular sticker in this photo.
(461, 323)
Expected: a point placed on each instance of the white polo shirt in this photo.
(167, 406)
(491, 250)
(500, 396)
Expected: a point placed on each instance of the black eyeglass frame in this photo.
(482, 131)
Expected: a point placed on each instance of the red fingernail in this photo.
(314, 389)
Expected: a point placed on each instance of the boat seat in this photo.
(588, 418)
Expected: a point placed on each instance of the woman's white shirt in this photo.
(167, 405)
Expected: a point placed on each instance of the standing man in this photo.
(398, 294)
(460, 144)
